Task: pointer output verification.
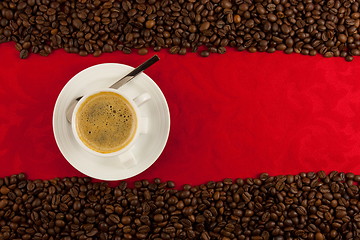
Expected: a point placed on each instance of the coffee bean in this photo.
(142, 51)
(205, 53)
(205, 236)
(77, 205)
(174, 50)
(77, 23)
(225, 4)
(301, 211)
(280, 185)
(97, 53)
(114, 218)
(237, 19)
(24, 54)
(221, 50)
(356, 178)
(329, 54)
(150, 23)
(84, 29)
(192, 28)
(158, 218)
(59, 223)
(285, 29)
(170, 184)
(89, 212)
(243, 7)
(355, 52)
(182, 51)
(3, 203)
(350, 175)
(187, 211)
(206, 211)
(4, 190)
(272, 17)
(349, 58)
(126, 220)
(92, 233)
(319, 236)
(204, 26)
(107, 48)
(246, 197)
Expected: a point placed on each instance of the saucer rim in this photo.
(166, 129)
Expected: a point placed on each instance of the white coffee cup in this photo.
(125, 154)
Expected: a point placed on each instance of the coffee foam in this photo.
(106, 122)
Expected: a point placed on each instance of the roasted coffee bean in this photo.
(174, 50)
(114, 218)
(255, 208)
(77, 205)
(4, 190)
(3, 203)
(24, 54)
(205, 53)
(158, 218)
(349, 58)
(143, 51)
(92, 28)
(182, 51)
(221, 50)
(204, 26)
(89, 212)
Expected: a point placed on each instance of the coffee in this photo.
(106, 122)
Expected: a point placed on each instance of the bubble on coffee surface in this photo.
(106, 122)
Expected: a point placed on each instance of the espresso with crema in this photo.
(106, 122)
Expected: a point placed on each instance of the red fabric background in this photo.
(232, 115)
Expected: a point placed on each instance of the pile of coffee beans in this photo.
(328, 27)
(305, 206)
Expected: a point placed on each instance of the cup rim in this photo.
(81, 143)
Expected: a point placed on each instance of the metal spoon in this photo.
(116, 85)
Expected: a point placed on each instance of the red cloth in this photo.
(232, 115)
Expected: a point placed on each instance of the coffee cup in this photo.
(107, 123)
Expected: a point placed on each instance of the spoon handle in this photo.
(135, 72)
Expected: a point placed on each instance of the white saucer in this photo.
(147, 147)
